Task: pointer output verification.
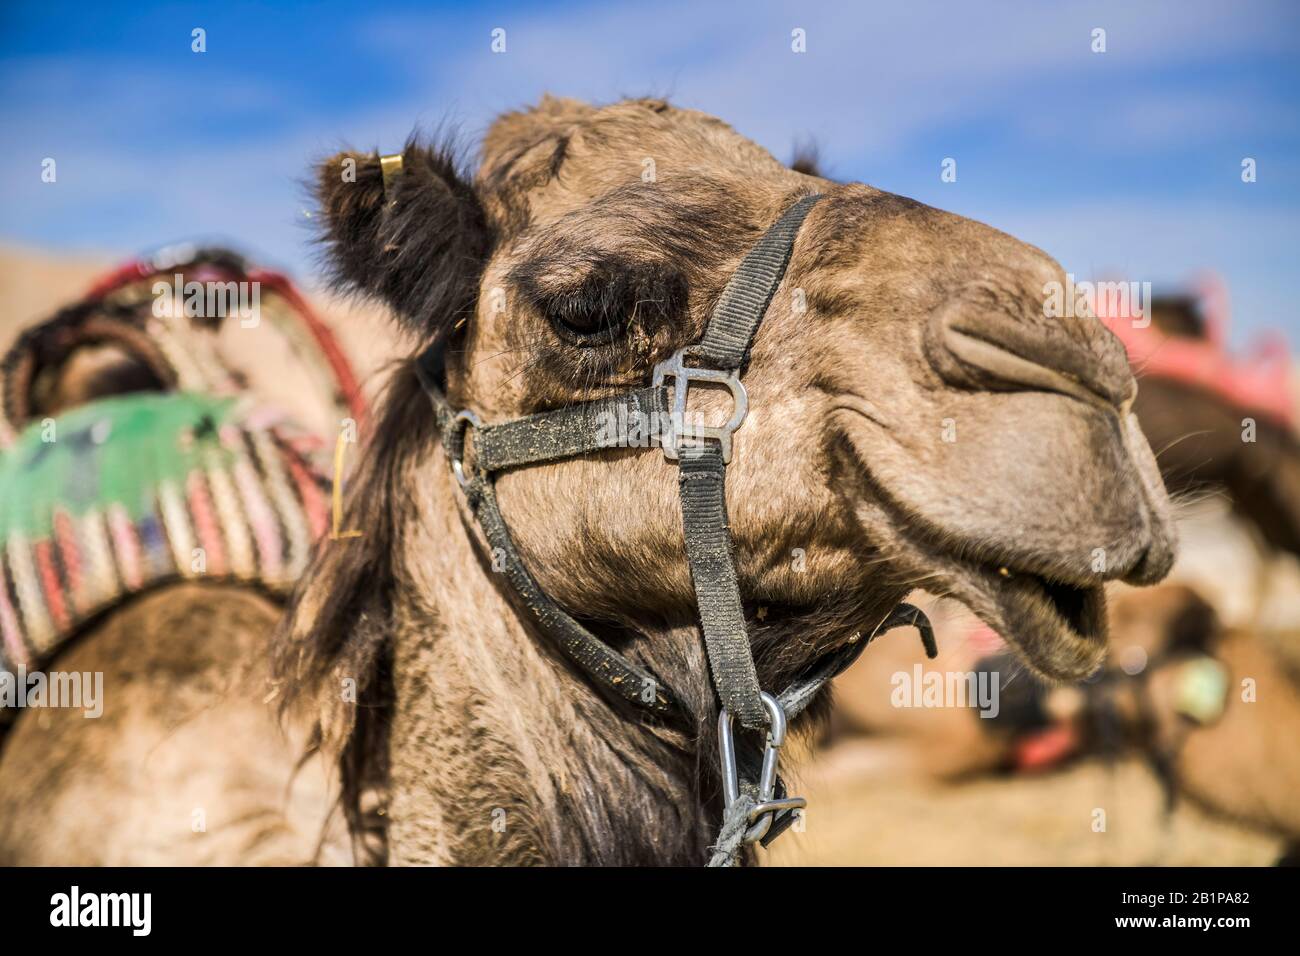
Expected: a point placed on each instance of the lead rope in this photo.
(756, 807)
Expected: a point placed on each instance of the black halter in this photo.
(756, 808)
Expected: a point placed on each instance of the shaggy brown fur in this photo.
(423, 256)
(845, 492)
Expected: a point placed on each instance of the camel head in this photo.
(916, 419)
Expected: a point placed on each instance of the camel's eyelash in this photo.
(597, 311)
(607, 300)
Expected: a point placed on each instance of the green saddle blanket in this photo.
(126, 493)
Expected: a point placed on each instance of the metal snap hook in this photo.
(768, 806)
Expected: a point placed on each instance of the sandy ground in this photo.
(860, 814)
(863, 810)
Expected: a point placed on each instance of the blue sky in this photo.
(1125, 163)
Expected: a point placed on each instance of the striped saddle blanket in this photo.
(123, 494)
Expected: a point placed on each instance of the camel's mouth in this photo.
(1059, 626)
(1020, 587)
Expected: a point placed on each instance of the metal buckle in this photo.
(769, 806)
(676, 430)
(462, 418)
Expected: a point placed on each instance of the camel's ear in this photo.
(408, 230)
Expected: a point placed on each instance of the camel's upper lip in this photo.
(1058, 621)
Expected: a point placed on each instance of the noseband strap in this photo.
(757, 809)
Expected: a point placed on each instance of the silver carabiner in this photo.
(765, 811)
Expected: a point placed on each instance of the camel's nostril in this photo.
(974, 344)
(1021, 365)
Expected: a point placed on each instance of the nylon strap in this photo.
(604, 423)
(725, 347)
(571, 431)
(594, 657)
(546, 437)
(744, 301)
(800, 694)
(794, 699)
(708, 551)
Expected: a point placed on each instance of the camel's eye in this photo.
(598, 310)
(595, 300)
(590, 316)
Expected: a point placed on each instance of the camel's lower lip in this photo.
(1060, 627)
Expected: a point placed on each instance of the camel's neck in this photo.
(499, 753)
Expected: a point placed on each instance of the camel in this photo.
(1226, 750)
(947, 434)
(187, 765)
(1202, 448)
(1241, 763)
(896, 326)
